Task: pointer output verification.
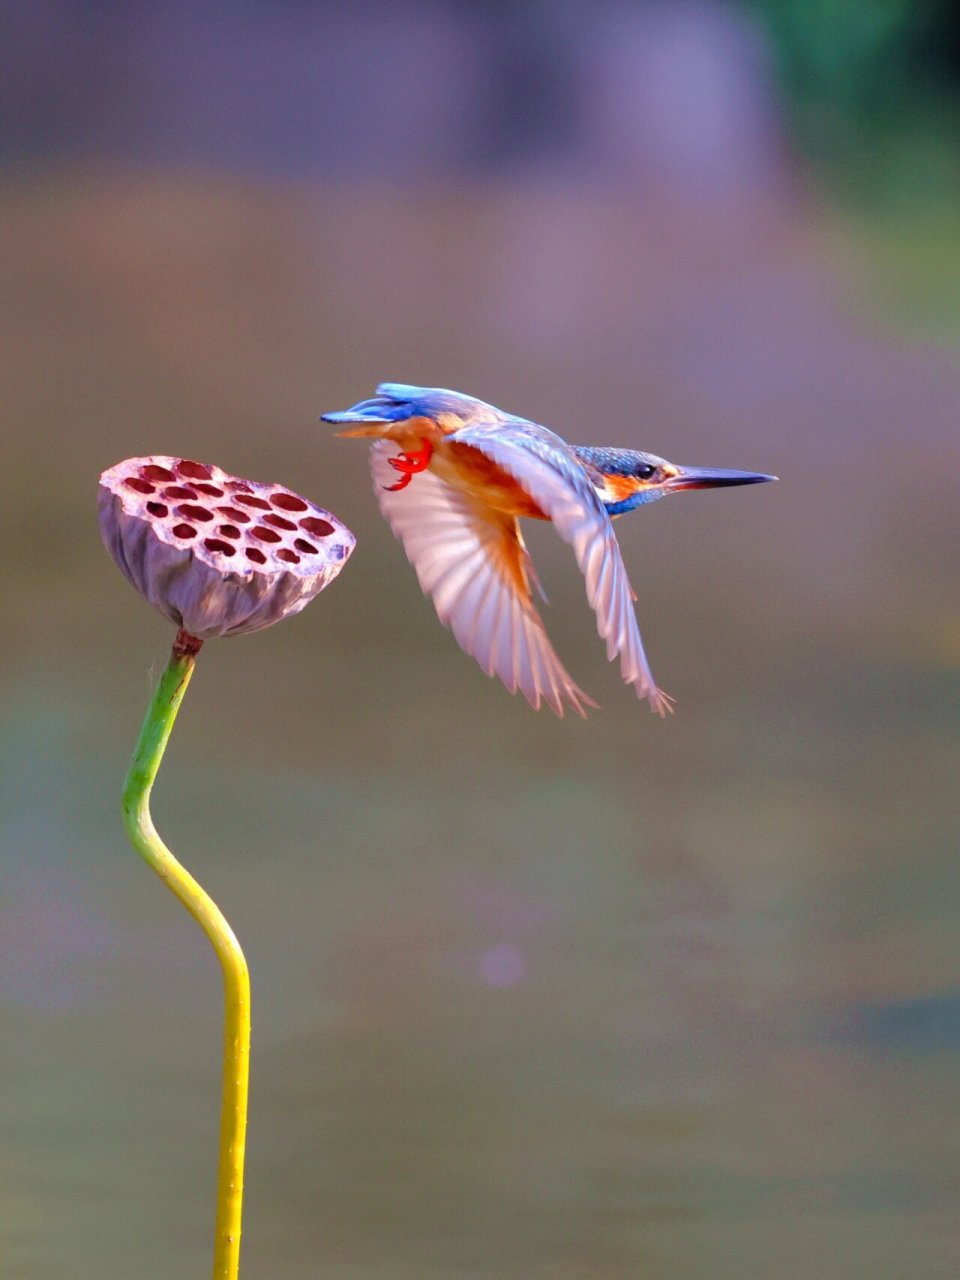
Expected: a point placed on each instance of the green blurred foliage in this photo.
(873, 92)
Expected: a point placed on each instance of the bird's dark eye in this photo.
(645, 472)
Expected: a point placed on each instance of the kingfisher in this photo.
(454, 475)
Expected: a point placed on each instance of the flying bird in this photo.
(453, 476)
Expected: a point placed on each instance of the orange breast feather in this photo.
(474, 473)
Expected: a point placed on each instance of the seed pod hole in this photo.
(154, 472)
(234, 513)
(288, 502)
(193, 512)
(265, 535)
(291, 557)
(193, 470)
(211, 490)
(248, 500)
(217, 544)
(184, 531)
(303, 545)
(158, 509)
(177, 493)
(279, 522)
(228, 530)
(239, 486)
(139, 486)
(319, 528)
(254, 554)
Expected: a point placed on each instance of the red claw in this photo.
(409, 464)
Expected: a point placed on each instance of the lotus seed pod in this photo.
(218, 556)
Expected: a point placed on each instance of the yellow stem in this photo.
(151, 745)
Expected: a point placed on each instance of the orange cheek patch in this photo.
(619, 488)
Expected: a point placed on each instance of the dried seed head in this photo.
(216, 555)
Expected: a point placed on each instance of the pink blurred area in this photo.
(533, 998)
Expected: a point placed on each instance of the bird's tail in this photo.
(397, 401)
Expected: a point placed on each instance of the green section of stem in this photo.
(236, 1042)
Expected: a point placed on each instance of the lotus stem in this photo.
(151, 745)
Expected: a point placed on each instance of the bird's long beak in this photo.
(711, 478)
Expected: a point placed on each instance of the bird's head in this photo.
(627, 478)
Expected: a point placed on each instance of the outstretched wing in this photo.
(550, 473)
(472, 562)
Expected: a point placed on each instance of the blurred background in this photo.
(533, 999)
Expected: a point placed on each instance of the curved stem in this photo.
(236, 1048)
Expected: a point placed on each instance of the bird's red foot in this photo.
(409, 465)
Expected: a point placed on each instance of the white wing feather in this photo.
(547, 470)
(471, 561)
